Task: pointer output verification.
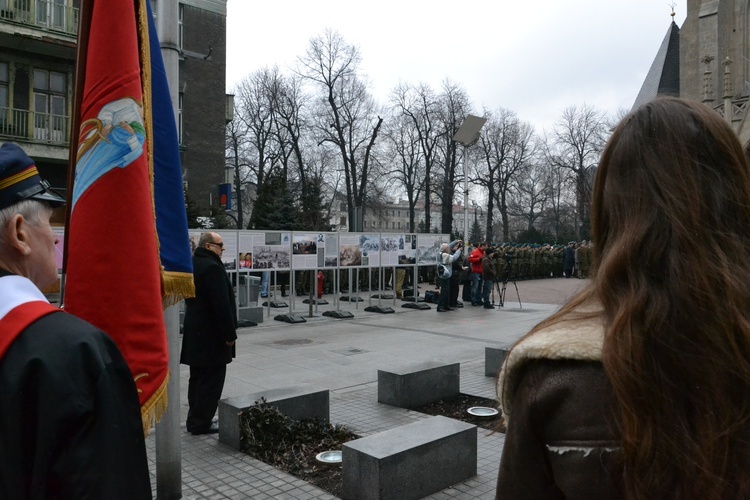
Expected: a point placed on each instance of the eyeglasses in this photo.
(220, 245)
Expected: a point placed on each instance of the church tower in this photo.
(714, 60)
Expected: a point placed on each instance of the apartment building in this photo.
(37, 58)
(38, 41)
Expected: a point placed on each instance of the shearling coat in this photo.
(211, 316)
(560, 440)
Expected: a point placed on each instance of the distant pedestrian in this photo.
(475, 260)
(445, 258)
(569, 259)
(210, 330)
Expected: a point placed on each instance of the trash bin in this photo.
(249, 290)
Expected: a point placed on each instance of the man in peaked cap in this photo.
(70, 423)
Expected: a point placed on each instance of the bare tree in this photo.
(577, 140)
(255, 110)
(454, 107)
(346, 118)
(505, 148)
(236, 158)
(532, 193)
(421, 106)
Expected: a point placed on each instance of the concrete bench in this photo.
(252, 313)
(493, 360)
(419, 385)
(410, 461)
(294, 402)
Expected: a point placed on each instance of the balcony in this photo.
(51, 15)
(43, 128)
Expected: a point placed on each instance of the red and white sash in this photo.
(21, 303)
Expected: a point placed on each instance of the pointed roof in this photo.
(663, 79)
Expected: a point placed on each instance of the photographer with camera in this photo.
(488, 276)
(446, 260)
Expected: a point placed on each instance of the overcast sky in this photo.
(533, 57)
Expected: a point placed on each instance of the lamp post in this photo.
(477, 206)
(466, 135)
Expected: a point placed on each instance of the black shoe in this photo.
(441, 310)
(451, 309)
(489, 307)
(213, 429)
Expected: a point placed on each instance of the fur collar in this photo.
(569, 339)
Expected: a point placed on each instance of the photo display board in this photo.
(359, 250)
(287, 250)
(428, 248)
(398, 249)
(308, 250)
(275, 253)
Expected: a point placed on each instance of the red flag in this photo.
(113, 271)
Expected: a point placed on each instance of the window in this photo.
(364, 223)
(342, 221)
(4, 111)
(50, 104)
(4, 76)
(180, 21)
(399, 224)
(399, 213)
(51, 13)
(342, 207)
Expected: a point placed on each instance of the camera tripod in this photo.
(505, 278)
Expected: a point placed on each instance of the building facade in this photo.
(707, 59)
(38, 41)
(202, 96)
(37, 60)
(393, 217)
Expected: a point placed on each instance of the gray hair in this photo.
(444, 247)
(205, 238)
(31, 210)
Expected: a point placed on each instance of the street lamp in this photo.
(477, 206)
(468, 134)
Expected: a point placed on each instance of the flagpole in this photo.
(84, 24)
(168, 444)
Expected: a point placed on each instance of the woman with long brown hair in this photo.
(639, 387)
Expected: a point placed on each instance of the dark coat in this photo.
(488, 268)
(560, 440)
(211, 316)
(70, 421)
(569, 257)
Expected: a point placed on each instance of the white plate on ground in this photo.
(482, 411)
(329, 457)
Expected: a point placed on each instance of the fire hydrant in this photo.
(321, 279)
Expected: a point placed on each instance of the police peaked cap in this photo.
(20, 180)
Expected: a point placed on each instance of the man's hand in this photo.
(230, 344)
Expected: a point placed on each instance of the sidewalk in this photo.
(344, 355)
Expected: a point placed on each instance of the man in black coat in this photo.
(70, 421)
(209, 332)
(569, 259)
